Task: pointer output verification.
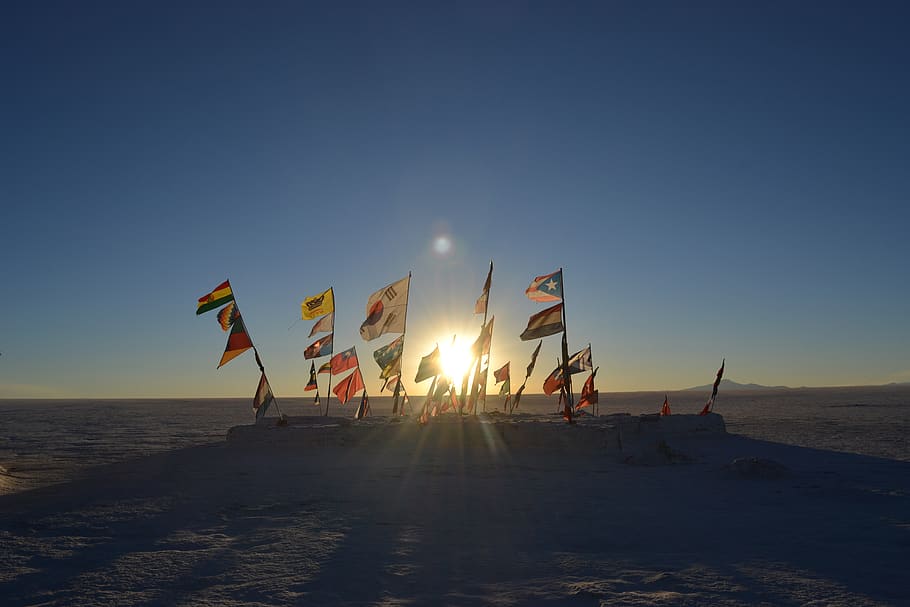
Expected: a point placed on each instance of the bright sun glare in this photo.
(456, 358)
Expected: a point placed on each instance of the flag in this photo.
(710, 404)
(364, 407)
(481, 345)
(312, 385)
(546, 288)
(263, 397)
(388, 358)
(554, 381)
(430, 366)
(566, 409)
(480, 307)
(580, 361)
(219, 296)
(506, 387)
(390, 384)
(238, 342)
(318, 305)
(326, 324)
(589, 395)
(320, 347)
(542, 324)
(502, 373)
(343, 361)
(521, 389)
(227, 315)
(348, 387)
(533, 360)
(325, 367)
(665, 410)
(386, 310)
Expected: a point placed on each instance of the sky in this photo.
(717, 180)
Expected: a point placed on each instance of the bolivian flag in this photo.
(238, 342)
(217, 298)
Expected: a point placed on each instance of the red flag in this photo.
(238, 342)
(553, 382)
(348, 387)
(589, 395)
(665, 410)
(710, 404)
(343, 361)
(566, 409)
(311, 385)
(502, 373)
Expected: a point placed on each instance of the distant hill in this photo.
(729, 384)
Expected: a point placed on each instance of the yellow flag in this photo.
(319, 305)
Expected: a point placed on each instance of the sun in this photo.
(456, 358)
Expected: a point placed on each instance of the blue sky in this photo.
(717, 179)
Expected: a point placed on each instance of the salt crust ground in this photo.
(524, 511)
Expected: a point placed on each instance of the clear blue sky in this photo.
(717, 179)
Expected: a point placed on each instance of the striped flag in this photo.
(263, 397)
(542, 324)
(312, 385)
(219, 296)
(238, 342)
(546, 288)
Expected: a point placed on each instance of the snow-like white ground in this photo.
(512, 513)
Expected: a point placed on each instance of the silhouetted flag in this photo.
(348, 387)
(263, 397)
(481, 345)
(589, 395)
(227, 315)
(238, 342)
(318, 305)
(518, 395)
(386, 310)
(364, 407)
(546, 288)
(710, 403)
(533, 360)
(553, 382)
(506, 387)
(320, 347)
(430, 366)
(580, 361)
(311, 385)
(219, 296)
(326, 324)
(388, 358)
(665, 410)
(542, 324)
(343, 361)
(480, 307)
(502, 373)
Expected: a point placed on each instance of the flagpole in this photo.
(567, 379)
(486, 309)
(404, 330)
(472, 376)
(594, 408)
(328, 393)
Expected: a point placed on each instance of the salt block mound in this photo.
(756, 467)
(490, 432)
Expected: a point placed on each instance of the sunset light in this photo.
(456, 358)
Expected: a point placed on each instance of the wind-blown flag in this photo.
(506, 387)
(227, 315)
(480, 307)
(320, 347)
(326, 324)
(710, 404)
(481, 345)
(665, 410)
(325, 367)
(318, 305)
(348, 387)
(542, 324)
(238, 342)
(430, 366)
(388, 358)
(364, 407)
(517, 400)
(533, 360)
(343, 361)
(546, 288)
(311, 385)
(263, 397)
(502, 373)
(386, 310)
(554, 381)
(589, 395)
(219, 296)
(580, 361)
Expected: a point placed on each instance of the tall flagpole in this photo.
(328, 393)
(567, 379)
(485, 310)
(404, 331)
(255, 350)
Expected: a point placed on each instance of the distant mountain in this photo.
(729, 384)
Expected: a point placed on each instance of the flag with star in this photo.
(546, 288)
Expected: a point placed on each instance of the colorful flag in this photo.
(665, 410)
(502, 373)
(227, 315)
(546, 288)
(506, 387)
(430, 366)
(580, 361)
(589, 395)
(364, 407)
(219, 296)
(238, 342)
(312, 385)
(343, 361)
(325, 367)
(388, 358)
(533, 361)
(326, 324)
(480, 307)
(553, 382)
(481, 345)
(318, 305)
(710, 404)
(542, 324)
(386, 310)
(320, 347)
(263, 397)
(348, 387)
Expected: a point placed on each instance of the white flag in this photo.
(386, 310)
(326, 324)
